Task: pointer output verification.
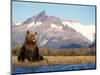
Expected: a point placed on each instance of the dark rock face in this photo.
(29, 49)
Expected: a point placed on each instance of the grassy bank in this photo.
(62, 52)
(56, 60)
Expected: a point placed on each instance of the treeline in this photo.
(62, 52)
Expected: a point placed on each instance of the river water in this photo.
(41, 69)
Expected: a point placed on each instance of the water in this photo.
(41, 69)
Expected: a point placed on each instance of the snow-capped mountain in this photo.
(52, 32)
(17, 23)
(86, 30)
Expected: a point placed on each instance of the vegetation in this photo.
(62, 52)
(56, 60)
(15, 51)
(59, 56)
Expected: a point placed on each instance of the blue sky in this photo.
(23, 10)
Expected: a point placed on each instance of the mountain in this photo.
(37, 18)
(52, 32)
(93, 44)
(86, 30)
(16, 23)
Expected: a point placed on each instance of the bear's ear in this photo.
(27, 32)
(35, 33)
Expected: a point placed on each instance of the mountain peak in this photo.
(43, 12)
(41, 16)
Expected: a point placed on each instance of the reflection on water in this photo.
(19, 70)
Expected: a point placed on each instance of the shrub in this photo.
(62, 52)
(15, 51)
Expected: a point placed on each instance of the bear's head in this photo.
(31, 36)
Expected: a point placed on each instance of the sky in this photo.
(24, 10)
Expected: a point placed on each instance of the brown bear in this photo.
(29, 49)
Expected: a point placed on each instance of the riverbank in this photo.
(55, 60)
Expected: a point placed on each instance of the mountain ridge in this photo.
(52, 33)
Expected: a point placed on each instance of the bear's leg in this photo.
(21, 56)
(21, 59)
(40, 58)
(37, 55)
(27, 56)
(30, 56)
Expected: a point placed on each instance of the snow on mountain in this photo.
(33, 24)
(52, 32)
(86, 30)
(55, 26)
(18, 23)
(30, 25)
